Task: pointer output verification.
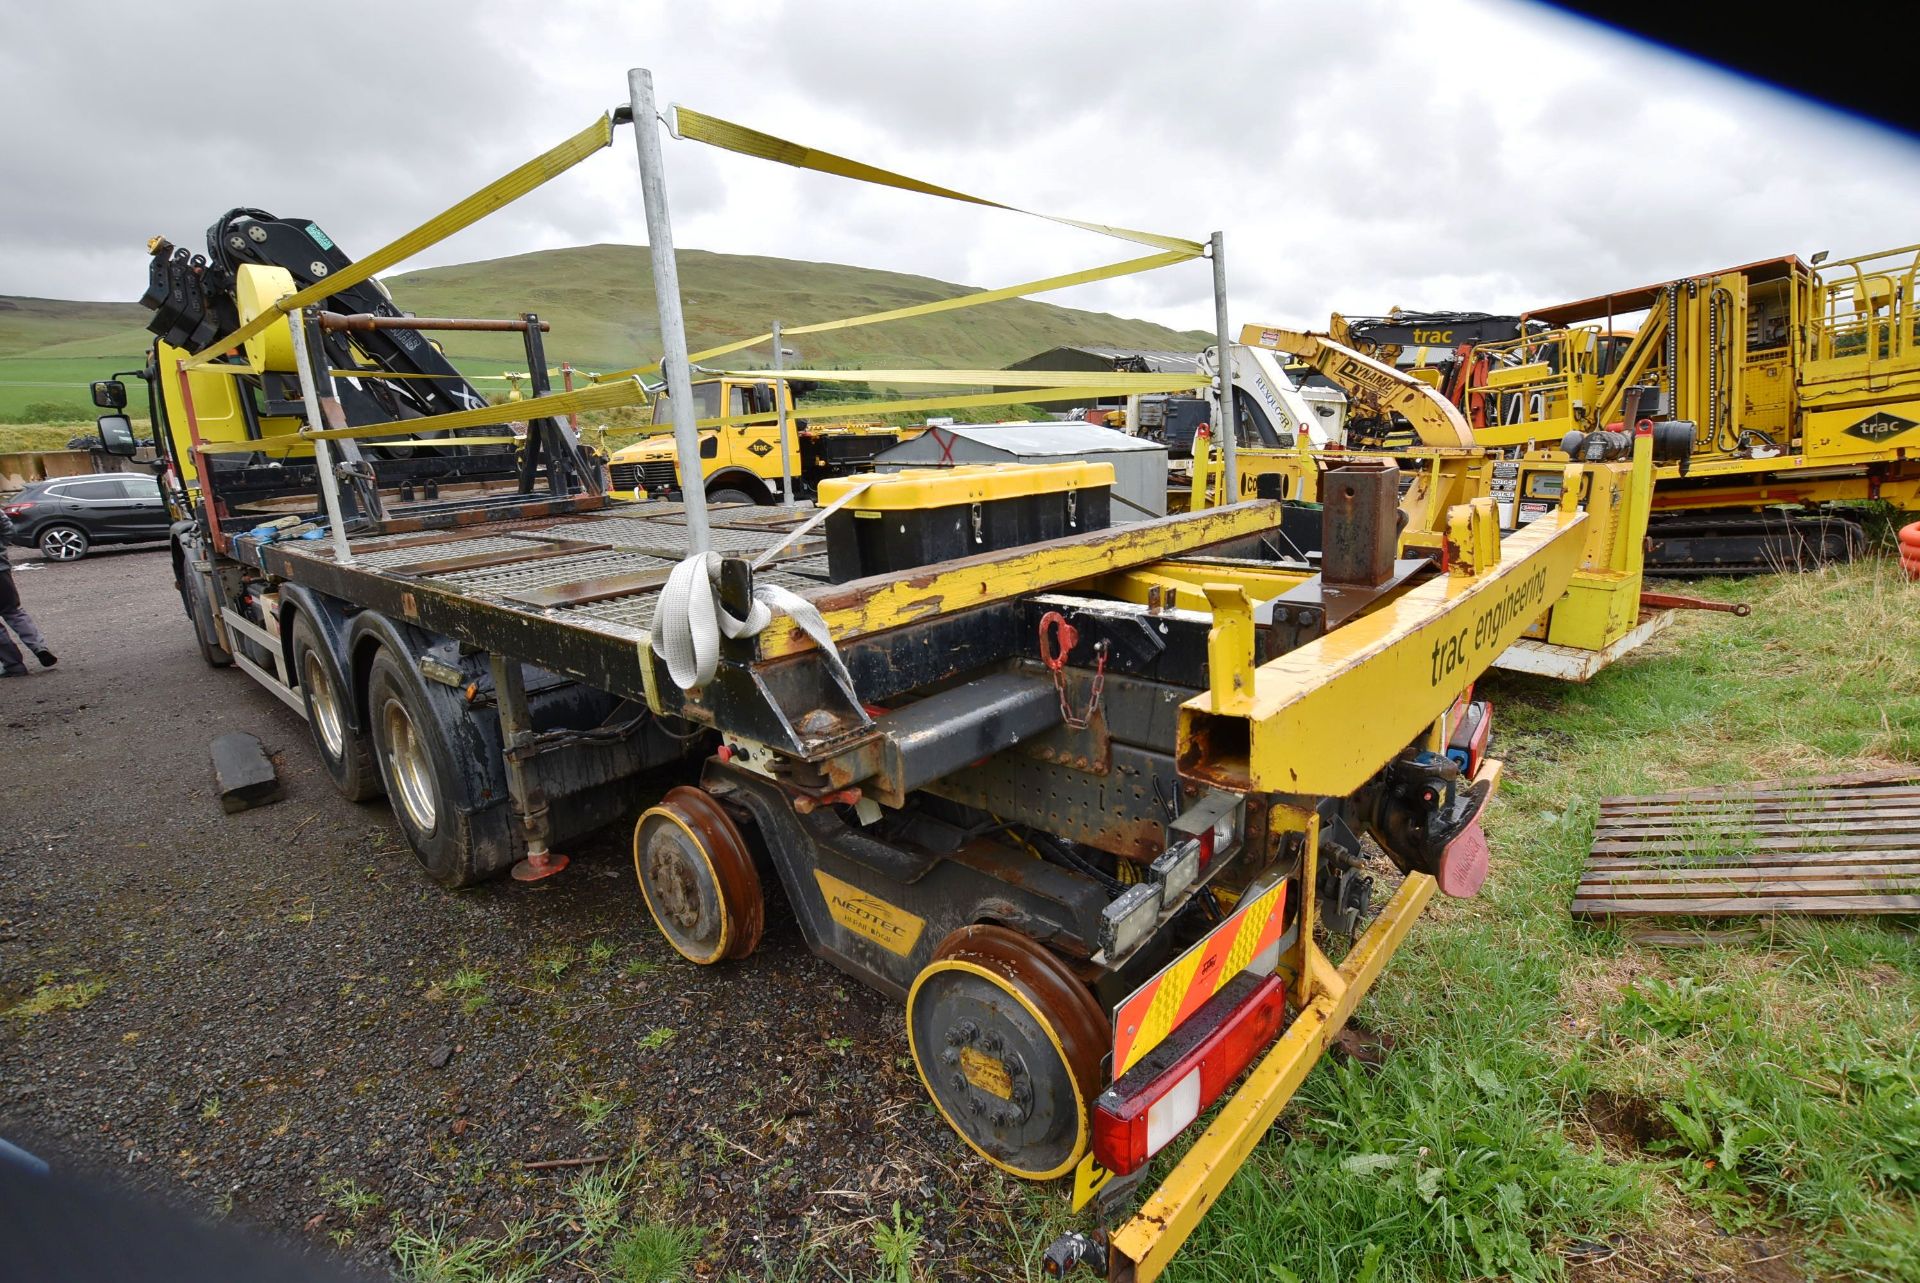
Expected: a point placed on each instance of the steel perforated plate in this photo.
(636, 609)
(660, 538)
(412, 553)
(549, 574)
(814, 568)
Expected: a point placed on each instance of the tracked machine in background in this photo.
(1802, 382)
(1443, 471)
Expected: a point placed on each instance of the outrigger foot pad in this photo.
(542, 864)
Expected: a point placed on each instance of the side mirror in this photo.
(110, 394)
(116, 434)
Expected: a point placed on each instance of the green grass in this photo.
(49, 997)
(1774, 1080)
(653, 1253)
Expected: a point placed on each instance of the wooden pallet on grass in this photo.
(1836, 844)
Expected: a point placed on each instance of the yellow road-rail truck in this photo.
(742, 463)
(1802, 381)
(1443, 471)
(1076, 793)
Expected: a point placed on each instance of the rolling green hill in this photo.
(599, 300)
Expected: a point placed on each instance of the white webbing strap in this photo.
(689, 619)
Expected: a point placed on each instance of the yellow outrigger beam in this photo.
(1403, 663)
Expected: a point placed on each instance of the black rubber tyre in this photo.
(347, 753)
(428, 790)
(63, 542)
(731, 496)
(206, 634)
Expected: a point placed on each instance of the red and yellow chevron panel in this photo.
(1157, 1007)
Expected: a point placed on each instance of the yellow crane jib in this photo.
(1435, 420)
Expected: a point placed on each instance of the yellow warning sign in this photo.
(887, 925)
(986, 1073)
(1088, 1178)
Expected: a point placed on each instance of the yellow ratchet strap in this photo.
(868, 409)
(603, 396)
(268, 445)
(1042, 286)
(715, 132)
(1099, 380)
(501, 192)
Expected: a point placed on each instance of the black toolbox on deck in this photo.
(919, 516)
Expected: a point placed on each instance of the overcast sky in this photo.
(1450, 153)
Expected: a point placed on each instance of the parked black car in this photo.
(67, 516)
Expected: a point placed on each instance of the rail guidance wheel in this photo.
(1009, 1043)
(698, 877)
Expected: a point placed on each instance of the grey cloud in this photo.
(1470, 153)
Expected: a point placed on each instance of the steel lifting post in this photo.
(529, 800)
(322, 448)
(1225, 421)
(780, 404)
(666, 292)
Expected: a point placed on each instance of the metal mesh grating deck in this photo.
(661, 538)
(382, 558)
(549, 574)
(636, 609)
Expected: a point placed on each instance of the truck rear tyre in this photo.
(347, 753)
(422, 781)
(1008, 1043)
(730, 496)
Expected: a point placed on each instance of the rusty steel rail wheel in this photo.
(1008, 1042)
(698, 877)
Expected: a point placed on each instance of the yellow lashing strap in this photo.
(1042, 286)
(282, 444)
(603, 396)
(865, 409)
(500, 192)
(716, 132)
(1103, 381)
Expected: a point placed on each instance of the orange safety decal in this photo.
(1157, 1007)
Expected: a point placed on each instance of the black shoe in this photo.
(46, 657)
(14, 672)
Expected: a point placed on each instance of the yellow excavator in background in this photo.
(1603, 614)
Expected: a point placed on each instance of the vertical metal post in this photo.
(1226, 426)
(780, 404)
(666, 292)
(322, 449)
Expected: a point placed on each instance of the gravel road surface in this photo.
(274, 1017)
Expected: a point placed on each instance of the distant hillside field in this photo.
(599, 300)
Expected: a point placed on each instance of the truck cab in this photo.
(740, 463)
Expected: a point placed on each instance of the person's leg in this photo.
(12, 662)
(22, 624)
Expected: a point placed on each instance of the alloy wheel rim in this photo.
(326, 713)
(412, 769)
(62, 545)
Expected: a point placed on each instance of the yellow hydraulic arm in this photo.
(1435, 420)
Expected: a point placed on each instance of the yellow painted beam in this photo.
(1325, 716)
(890, 601)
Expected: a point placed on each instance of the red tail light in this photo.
(1468, 742)
(17, 509)
(1161, 1096)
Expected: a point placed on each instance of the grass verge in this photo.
(1560, 1093)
